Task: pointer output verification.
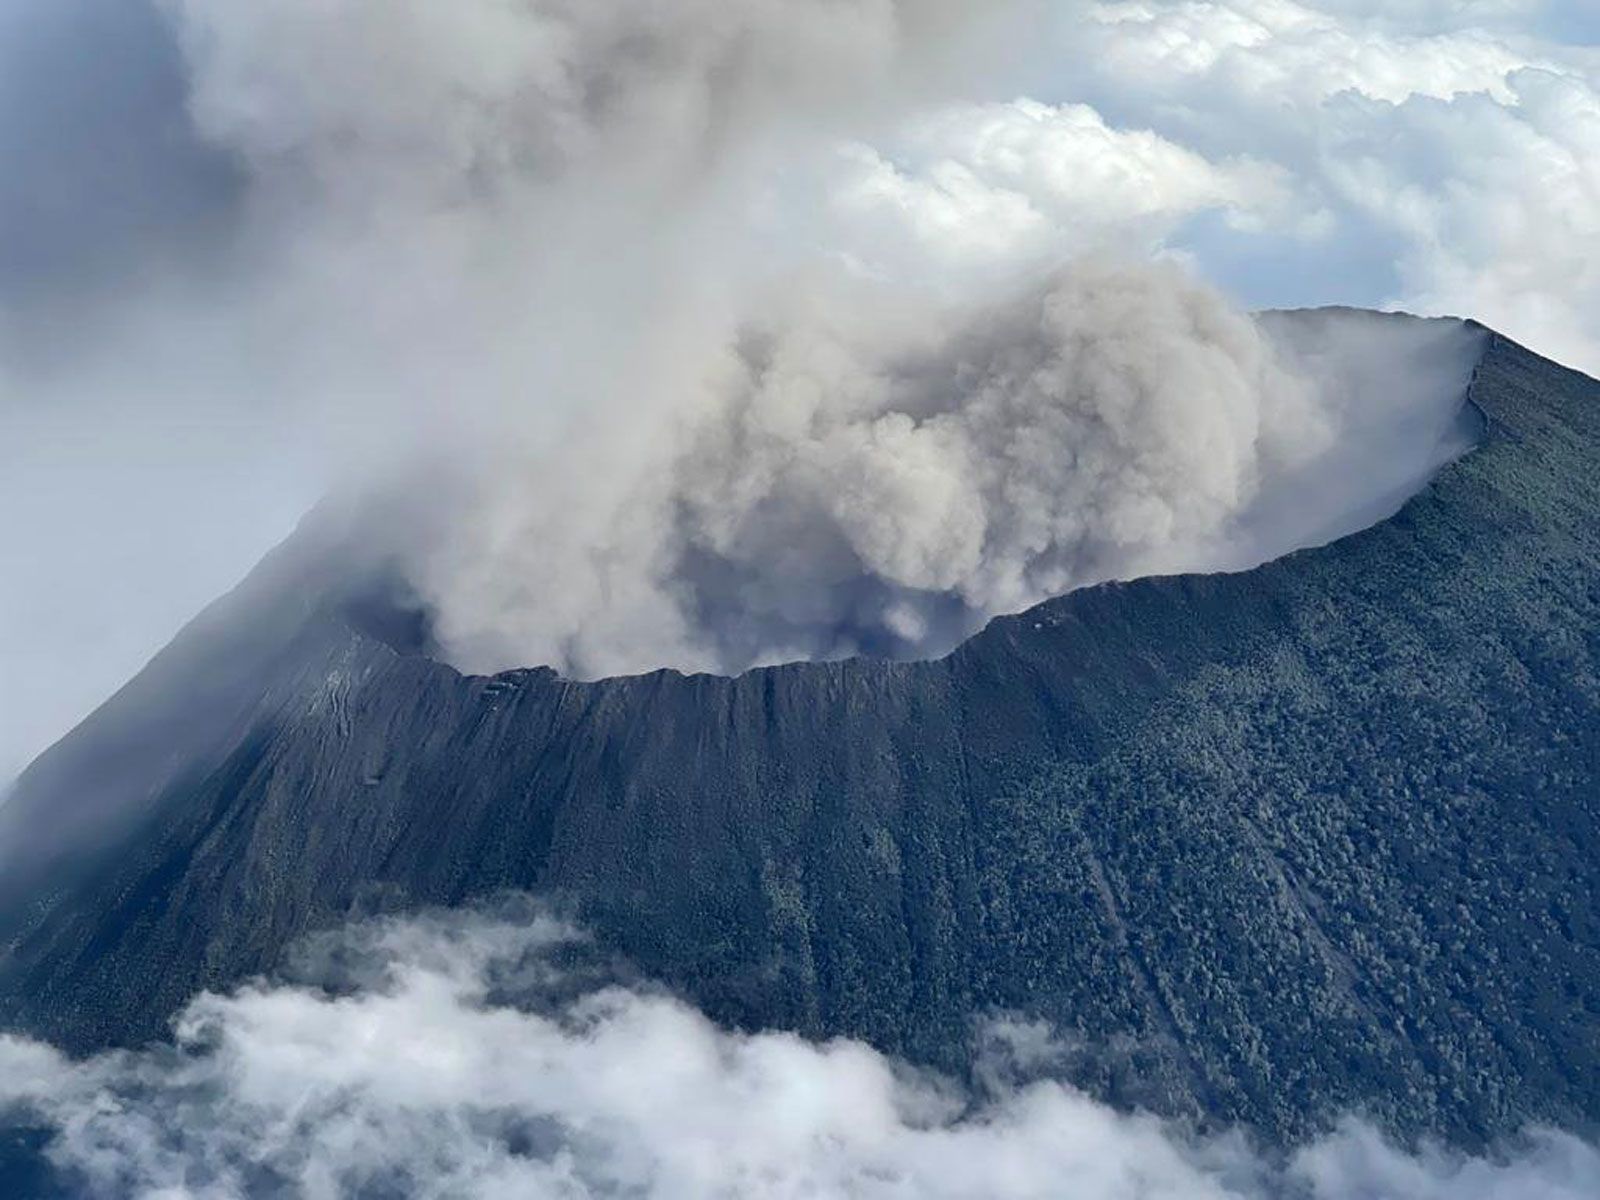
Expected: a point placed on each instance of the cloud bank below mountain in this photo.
(495, 1054)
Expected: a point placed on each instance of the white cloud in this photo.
(1499, 203)
(996, 185)
(1281, 50)
(451, 1057)
(1452, 134)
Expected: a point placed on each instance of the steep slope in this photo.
(1274, 845)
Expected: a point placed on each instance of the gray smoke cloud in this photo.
(492, 1054)
(443, 100)
(857, 479)
(687, 334)
(676, 414)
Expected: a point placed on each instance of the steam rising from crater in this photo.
(576, 268)
(844, 481)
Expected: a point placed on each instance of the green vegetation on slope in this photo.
(1266, 847)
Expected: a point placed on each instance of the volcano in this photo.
(1272, 846)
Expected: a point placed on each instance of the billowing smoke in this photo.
(254, 251)
(852, 480)
(677, 411)
(491, 1055)
(692, 334)
(442, 100)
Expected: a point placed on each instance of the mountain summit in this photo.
(1272, 847)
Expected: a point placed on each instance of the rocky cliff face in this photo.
(1274, 846)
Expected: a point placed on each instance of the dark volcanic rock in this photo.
(1278, 845)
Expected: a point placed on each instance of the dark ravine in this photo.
(1316, 838)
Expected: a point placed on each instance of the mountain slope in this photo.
(1273, 846)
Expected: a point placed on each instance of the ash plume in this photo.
(695, 335)
(561, 263)
(843, 481)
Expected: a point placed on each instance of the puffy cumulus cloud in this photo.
(989, 185)
(1286, 50)
(1498, 202)
(1436, 14)
(477, 1055)
(1453, 136)
(1571, 22)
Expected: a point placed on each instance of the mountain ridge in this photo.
(1192, 817)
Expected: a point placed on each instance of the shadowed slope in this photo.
(1276, 845)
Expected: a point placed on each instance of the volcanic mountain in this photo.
(1272, 846)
